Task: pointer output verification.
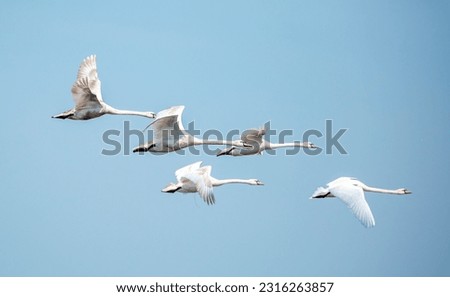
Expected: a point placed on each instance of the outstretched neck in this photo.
(115, 111)
(288, 144)
(385, 191)
(198, 141)
(220, 182)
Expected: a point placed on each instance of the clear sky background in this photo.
(381, 69)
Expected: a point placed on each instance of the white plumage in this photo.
(86, 92)
(351, 192)
(193, 178)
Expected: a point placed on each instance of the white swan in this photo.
(254, 138)
(169, 134)
(193, 178)
(351, 192)
(86, 92)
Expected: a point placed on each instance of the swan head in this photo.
(404, 191)
(310, 145)
(150, 115)
(256, 182)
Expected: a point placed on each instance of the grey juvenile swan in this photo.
(169, 134)
(254, 138)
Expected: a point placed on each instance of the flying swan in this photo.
(193, 178)
(86, 92)
(169, 134)
(351, 192)
(254, 138)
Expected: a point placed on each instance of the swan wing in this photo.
(353, 197)
(87, 88)
(341, 180)
(168, 123)
(176, 111)
(205, 187)
(187, 169)
(252, 135)
(201, 178)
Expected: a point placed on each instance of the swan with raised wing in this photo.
(193, 179)
(169, 134)
(86, 92)
(351, 192)
(254, 138)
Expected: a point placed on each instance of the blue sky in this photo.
(378, 68)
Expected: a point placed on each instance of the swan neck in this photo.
(214, 141)
(115, 111)
(379, 190)
(287, 144)
(220, 182)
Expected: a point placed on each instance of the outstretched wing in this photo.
(253, 135)
(353, 197)
(204, 185)
(168, 125)
(341, 180)
(87, 88)
(201, 177)
(187, 169)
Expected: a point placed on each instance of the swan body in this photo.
(169, 134)
(193, 178)
(86, 92)
(351, 192)
(254, 138)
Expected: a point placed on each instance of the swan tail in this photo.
(226, 151)
(321, 192)
(143, 147)
(171, 188)
(64, 115)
